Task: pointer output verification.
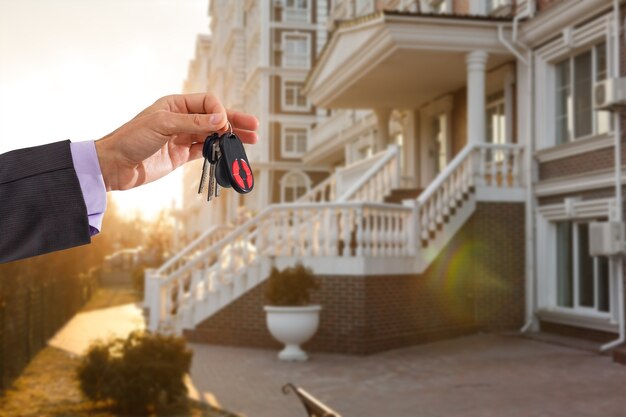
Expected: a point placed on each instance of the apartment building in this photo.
(466, 158)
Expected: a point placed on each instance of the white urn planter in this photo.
(293, 326)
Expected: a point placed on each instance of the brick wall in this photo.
(580, 164)
(477, 283)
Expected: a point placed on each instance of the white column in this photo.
(476, 62)
(382, 124)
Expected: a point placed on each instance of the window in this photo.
(493, 5)
(293, 99)
(293, 186)
(582, 279)
(436, 6)
(296, 10)
(296, 50)
(440, 142)
(495, 125)
(294, 142)
(575, 76)
(496, 122)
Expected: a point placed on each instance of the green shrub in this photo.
(139, 374)
(290, 287)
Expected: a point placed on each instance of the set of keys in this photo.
(225, 165)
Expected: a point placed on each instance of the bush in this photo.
(139, 374)
(290, 287)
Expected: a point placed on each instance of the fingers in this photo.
(195, 151)
(241, 120)
(247, 136)
(168, 123)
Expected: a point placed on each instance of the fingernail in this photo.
(216, 118)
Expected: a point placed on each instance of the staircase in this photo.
(351, 224)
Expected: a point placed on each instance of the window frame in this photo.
(283, 184)
(307, 37)
(283, 145)
(571, 106)
(295, 11)
(283, 98)
(574, 266)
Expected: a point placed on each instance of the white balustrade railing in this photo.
(339, 230)
(486, 165)
(193, 249)
(323, 192)
(381, 176)
(341, 127)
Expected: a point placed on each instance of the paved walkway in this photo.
(482, 376)
(99, 322)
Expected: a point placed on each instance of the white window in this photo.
(574, 79)
(493, 5)
(293, 186)
(436, 6)
(582, 281)
(296, 50)
(292, 98)
(495, 125)
(294, 142)
(296, 11)
(496, 122)
(441, 142)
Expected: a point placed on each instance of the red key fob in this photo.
(233, 167)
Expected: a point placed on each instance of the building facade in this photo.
(454, 160)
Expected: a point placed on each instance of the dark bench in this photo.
(312, 405)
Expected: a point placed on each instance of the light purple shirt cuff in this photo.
(91, 182)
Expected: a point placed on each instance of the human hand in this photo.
(164, 136)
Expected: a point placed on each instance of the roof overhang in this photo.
(401, 60)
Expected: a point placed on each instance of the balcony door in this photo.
(435, 139)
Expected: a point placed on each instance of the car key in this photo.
(225, 165)
(210, 152)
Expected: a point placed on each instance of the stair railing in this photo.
(323, 192)
(378, 180)
(205, 240)
(485, 164)
(339, 230)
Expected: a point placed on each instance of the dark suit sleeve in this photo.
(41, 203)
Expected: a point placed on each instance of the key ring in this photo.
(230, 126)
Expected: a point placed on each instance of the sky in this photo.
(79, 69)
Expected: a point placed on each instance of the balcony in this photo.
(329, 137)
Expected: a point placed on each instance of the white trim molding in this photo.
(575, 319)
(576, 183)
(546, 24)
(573, 208)
(577, 147)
